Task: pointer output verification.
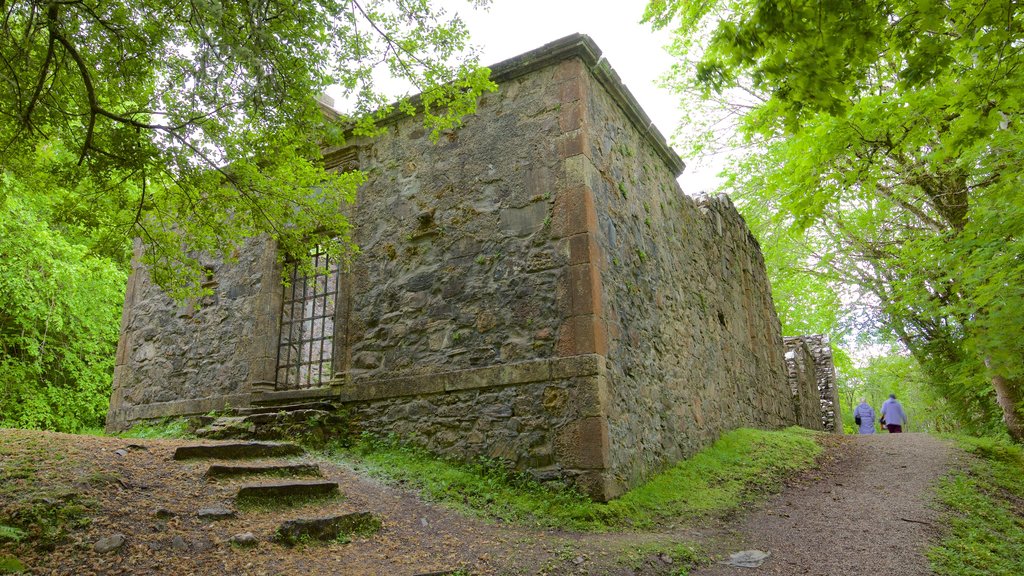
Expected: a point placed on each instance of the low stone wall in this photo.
(541, 415)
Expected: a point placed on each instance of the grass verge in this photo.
(740, 466)
(984, 513)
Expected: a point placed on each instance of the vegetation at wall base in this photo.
(167, 428)
(742, 466)
(984, 513)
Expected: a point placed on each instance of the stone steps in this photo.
(285, 493)
(238, 450)
(252, 498)
(287, 470)
(273, 423)
(326, 529)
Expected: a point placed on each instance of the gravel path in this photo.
(867, 512)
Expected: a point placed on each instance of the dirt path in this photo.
(866, 512)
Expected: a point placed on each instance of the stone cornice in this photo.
(573, 46)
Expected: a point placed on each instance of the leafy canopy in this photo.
(885, 136)
(194, 125)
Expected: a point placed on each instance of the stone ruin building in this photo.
(809, 366)
(534, 288)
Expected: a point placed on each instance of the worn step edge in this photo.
(326, 529)
(231, 471)
(325, 406)
(238, 450)
(284, 492)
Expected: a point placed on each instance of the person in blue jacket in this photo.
(893, 415)
(864, 417)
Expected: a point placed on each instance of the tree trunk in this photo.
(1008, 397)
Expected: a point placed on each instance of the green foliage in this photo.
(984, 519)
(885, 177)
(60, 301)
(11, 565)
(11, 534)
(742, 465)
(194, 125)
(166, 428)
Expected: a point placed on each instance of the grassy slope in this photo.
(984, 513)
(718, 479)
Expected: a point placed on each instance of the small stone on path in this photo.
(748, 558)
(178, 543)
(244, 539)
(215, 514)
(121, 453)
(109, 544)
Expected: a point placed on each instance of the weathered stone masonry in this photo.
(812, 377)
(535, 287)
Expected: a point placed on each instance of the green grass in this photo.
(984, 513)
(167, 428)
(11, 565)
(740, 466)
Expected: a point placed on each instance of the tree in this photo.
(889, 134)
(194, 125)
(60, 302)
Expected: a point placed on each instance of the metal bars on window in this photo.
(306, 346)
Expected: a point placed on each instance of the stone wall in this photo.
(200, 355)
(809, 360)
(803, 382)
(535, 287)
(693, 342)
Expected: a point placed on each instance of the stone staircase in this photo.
(275, 422)
(276, 485)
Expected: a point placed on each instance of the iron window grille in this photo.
(305, 349)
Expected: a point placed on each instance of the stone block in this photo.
(583, 444)
(599, 485)
(571, 116)
(524, 221)
(573, 144)
(590, 396)
(569, 69)
(232, 451)
(574, 366)
(581, 335)
(570, 91)
(525, 372)
(573, 212)
(585, 290)
(584, 249)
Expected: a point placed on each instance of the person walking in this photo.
(893, 415)
(864, 417)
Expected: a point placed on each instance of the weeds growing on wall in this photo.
(984, 513)
(741, 466)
